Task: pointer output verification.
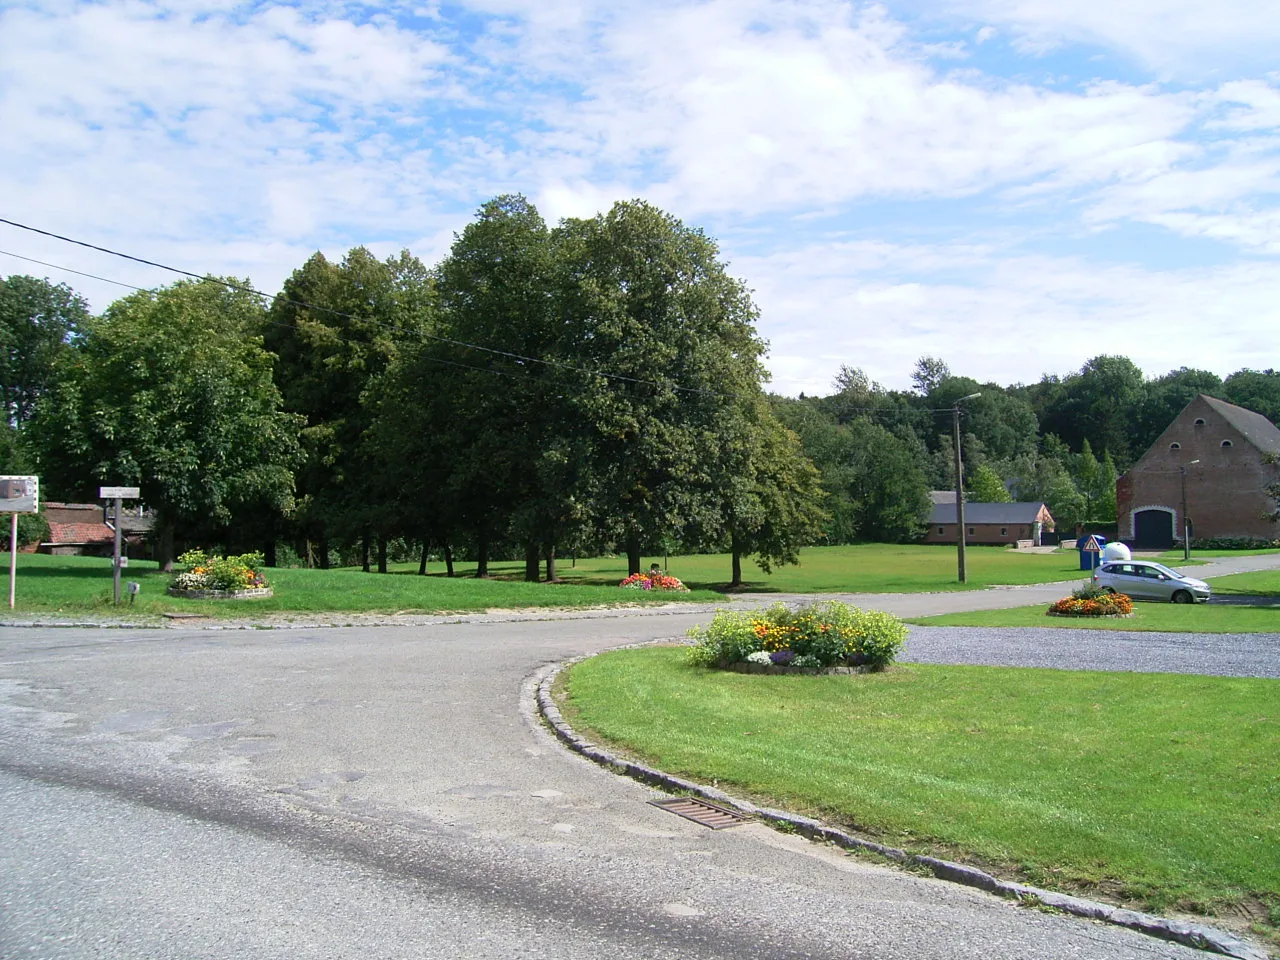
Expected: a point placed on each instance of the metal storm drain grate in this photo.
(700, 811)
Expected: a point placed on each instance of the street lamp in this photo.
(1186, 522)
(955, 440)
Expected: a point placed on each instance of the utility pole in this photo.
(1186, 521)
(955, 441)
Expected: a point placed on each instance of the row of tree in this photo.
(595, 386)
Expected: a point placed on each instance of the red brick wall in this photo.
(1224, 490)
(982, 532)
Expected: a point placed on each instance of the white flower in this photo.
(760, 656)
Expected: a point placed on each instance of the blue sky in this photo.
(1014, 186)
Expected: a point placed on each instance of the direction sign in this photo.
(123, 493)
(19, 494)
(1091, 545)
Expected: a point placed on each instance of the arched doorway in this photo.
(1153, 529)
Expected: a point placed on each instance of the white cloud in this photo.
(1013, 318)
(1173, 37)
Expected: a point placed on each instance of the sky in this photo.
(1013, 186)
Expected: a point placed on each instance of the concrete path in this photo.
(385, 792)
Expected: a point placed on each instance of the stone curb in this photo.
(1188, 934)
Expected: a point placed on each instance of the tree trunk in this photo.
(551, 563)
(633, 555)
(322, 547)
(422, 564)
(269, 553)
(482, 555)
(736, 550)
(448, 560)
(164, 547)
(382, 553)
(531, 561)
(364, 552)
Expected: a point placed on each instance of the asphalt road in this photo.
(385, 792)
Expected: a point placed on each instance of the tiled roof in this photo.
(80, 533)
(1255, 428)
(1007, 513)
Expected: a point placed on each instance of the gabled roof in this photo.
(1006, 513)
(942, 496)
(1254, 427)
(72, 533)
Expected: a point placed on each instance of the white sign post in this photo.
(117, 494)
(17, 495)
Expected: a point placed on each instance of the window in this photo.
(1199, 421)
(1004, 531)
(1226, 443)
(1175, 445)
(941, 531)
(971, 531)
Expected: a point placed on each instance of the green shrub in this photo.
(1233, 543)
(825, 634)
(220, 573)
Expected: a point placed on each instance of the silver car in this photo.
(1145, 580)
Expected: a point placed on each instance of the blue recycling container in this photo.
(1089, 560)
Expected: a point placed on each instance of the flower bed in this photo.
(816, 637)
(219, 578)
(1091, 602)
(652, 581)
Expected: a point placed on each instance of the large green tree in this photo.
(171, 391)
(665, 349)
(39, 321)
(334, 329)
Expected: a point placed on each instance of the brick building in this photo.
(1221, 453)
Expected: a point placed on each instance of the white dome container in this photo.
(1116, 551)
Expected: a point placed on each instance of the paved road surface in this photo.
(384, 793)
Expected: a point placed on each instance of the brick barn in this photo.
(1222, 453)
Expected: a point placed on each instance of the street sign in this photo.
(19, 494)
(121, 493)
(1091, 546)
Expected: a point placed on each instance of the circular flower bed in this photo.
(219, 578)
(1091, 602)
(822, 636)
(652, 581)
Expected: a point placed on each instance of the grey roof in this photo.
(942, 496)
(1007, 513)
(1254, 427)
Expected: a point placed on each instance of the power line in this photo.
(81, 273)
(245, 288)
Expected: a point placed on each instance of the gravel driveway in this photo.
(1214, 654)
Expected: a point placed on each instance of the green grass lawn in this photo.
(1261, 583)
(866, 568)
(1157, 789)
(83, 584)
(78, 584)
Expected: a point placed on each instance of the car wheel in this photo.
(1182, 597)
(1110, 590)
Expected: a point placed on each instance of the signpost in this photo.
(117, 494)
(1094, 549)
(17, 495)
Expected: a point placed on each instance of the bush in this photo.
(1233, 543)
(825, 634)
(220, 573)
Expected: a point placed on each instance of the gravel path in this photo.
(1217, 654)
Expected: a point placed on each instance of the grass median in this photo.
(1157, 790)
(71, 585)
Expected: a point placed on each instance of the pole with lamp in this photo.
(955, 440)
(1186, 521)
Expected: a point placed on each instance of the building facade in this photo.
(1208, 470)
(988, 523)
